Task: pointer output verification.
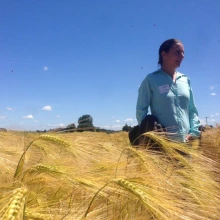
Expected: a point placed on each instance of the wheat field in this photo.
(95, 176)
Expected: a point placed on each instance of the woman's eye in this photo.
(179, 52)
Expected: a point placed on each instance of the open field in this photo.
(89, 175)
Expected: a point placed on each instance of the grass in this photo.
(90, 175)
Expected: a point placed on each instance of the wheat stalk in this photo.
(20, 165)
(49, 138)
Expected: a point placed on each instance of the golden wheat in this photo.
(15, 207)
(105, 178)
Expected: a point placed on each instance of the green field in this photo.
(92, 175)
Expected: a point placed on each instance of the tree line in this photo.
(85, 123)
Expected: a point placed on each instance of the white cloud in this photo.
(47, 108)
(58, 116)
(112, 127)
(217, 113)
(35, 121)
(212, 119)
(117, 121)
(28, 116)
(113, 116)
(106, 126)
(3, 117)
(202, 121)
(212, 93)
(128, 119)
(45, 68)
(211, 116)
(56, 125)
(9, 109)
(212, 87)
(116, 127)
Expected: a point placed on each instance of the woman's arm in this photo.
(193, 118)
(143, 101)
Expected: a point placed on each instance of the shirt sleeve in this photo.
(143, 101)
(193, 117)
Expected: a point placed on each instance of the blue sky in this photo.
(62, 59)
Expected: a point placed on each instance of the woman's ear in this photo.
(164, 54)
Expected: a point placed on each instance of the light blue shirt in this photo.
(171, 102)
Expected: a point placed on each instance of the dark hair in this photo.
(165, 46)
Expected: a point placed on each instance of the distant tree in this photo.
(85, 122)
(71, 127)
(126, 128)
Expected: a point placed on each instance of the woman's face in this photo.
(174, 57)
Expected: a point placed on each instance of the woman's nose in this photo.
(182, 54)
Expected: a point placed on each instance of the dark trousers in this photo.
(149, 123)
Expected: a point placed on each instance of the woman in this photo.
(169, 95)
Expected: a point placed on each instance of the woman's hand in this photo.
(189, 137)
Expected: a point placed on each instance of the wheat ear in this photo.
(66, 145)
(15, 208)
(21, 162)
(145, 198)
(55, 140)
(170, 148)
(31, 214)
